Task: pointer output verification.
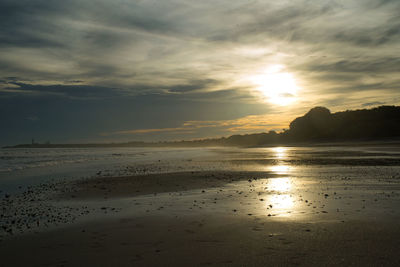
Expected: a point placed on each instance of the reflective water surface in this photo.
(294, 183)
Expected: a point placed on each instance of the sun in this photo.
(278, 86)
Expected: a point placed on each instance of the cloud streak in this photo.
(248, 124)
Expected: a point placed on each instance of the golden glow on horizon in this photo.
(278, 86)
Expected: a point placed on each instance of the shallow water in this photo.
(27, 167)
(20, 168)
(301, 183)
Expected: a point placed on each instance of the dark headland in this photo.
(316, 126)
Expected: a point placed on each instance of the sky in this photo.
(117, 71)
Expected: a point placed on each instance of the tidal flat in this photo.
(278, 206)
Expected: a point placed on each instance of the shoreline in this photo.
(356, 142)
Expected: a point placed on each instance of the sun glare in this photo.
(280, 169)
(280, 152)
(278, 86)
(282, 203)
(279, 184)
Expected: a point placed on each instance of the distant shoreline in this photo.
(194, 144)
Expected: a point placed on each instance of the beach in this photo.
(199, 133)
(244, 212)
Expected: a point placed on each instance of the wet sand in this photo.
(206, 218)
(197, 241)
(129, 186)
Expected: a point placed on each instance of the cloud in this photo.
(76, 91)
(360, 65)
(178, 55)
(146, 131)
(376, 103)
(32, 118)
(140, 45)
(253, 123)
(197, 89)
(196, 85)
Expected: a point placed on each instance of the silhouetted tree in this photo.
(320, 125)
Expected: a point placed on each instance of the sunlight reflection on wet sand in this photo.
(280, 169)
(284, 205)
(279, 198)
(280, 153)
(279, 184)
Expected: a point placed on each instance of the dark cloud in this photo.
(32, 118)
(195, 85)
(316, 24)
(31, 23)
(358, 88)
(360, 65)
(375, 103)
(193, 91)
(75, 81)
(44, 24)
(267, 22)
(76, 91)
(369, 37)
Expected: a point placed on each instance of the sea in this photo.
(21, 168)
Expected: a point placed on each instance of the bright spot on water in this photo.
(280, 152)
(281, 203)
(280, 169)
(279, 184)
